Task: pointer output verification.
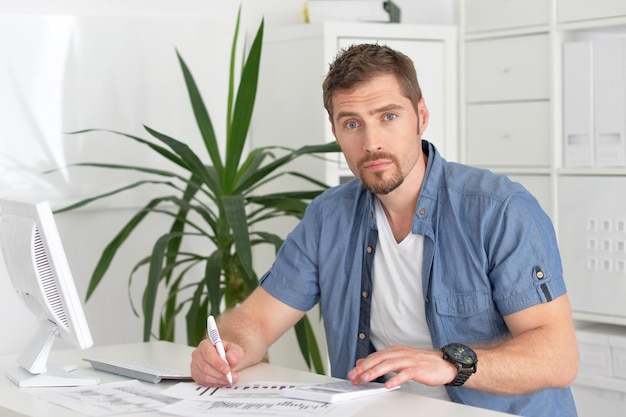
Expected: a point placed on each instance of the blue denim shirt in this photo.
(489, 251)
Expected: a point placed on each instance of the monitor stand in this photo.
(55, 376)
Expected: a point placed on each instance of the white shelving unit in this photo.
(523, 116)
(507, 91)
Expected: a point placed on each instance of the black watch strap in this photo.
(462, 376)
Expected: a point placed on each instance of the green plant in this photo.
(219, 202)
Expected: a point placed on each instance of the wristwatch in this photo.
(463, 358)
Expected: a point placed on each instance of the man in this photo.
(416, 255)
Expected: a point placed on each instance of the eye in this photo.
(390, 116)
(352, 125)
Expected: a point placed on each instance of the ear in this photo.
(423, 115)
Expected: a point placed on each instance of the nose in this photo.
(372, 139)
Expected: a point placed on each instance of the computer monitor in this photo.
(40, 274)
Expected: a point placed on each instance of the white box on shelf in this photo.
(609, 70)
(578, 104)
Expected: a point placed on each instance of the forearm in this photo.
(536, 359)
(257, 323)
(238, 327)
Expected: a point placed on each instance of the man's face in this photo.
(379, 132)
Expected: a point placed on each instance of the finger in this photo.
(364, 366)
(383, 362)
(207, 368)
(211, 376)
(234, 354)
(398, 379)
(365, 371)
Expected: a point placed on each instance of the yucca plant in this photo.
(219, 202)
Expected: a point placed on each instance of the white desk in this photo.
(15, 402)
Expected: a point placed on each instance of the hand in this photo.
(424, 366)
(207, 368)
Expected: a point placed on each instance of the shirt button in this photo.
(371, 214)
(364, 294)
(422, 212)
(369, 249)
(362, 336)
(540, 274)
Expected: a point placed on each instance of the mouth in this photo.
(377, 165)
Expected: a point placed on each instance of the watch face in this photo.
(461, 353)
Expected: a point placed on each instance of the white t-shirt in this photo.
(397, 315)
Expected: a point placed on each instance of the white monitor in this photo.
(40, 274)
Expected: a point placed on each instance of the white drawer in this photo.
(503, 14)
(619, 362)
(574, 10)
(594, 360)
(618, 347)
(511, 134)
(594, 351)
(515, 68)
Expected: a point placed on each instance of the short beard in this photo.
(380, 185)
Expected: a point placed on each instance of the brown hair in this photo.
(361, 63)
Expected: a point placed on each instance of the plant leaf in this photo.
(193, 163)
(213, 281)
(267, 169)
(271, 238)
(178, 225)
(111, 249)
(242, 113)
(160, 150)
(196, 317)
(234, 208)
(308, 345)
(203, 120)
(154, 278)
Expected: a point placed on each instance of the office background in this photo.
(70, 65)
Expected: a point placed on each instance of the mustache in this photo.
(376, 156)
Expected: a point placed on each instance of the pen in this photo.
(215, 338)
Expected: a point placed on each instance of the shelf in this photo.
(598, 318)
(488, 102)
(601, 382)
(592, 172)
(518, 170)
(608, 24)
(503, 33)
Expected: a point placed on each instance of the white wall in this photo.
(66, 68)
(69, 65)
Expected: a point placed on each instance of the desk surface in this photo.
(16, 402)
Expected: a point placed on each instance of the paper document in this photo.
(260, 398)
(108, 399)
(255, 407)
(193, 391)
(190, 400)
(332, 392)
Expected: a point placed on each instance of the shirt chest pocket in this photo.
(468, 317)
